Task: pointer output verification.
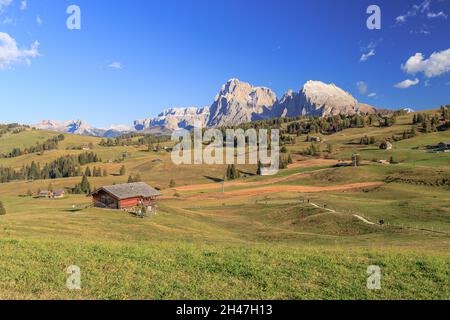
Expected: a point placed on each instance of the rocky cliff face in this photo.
(319, 99)
(175, 119)
(82, 128)
(239, 102)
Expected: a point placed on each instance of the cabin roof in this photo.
(130, 190)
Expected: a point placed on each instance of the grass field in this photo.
(295, 235)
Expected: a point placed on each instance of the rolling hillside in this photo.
(309, 232)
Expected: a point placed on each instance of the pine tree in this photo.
(85, 186)
(290, 161)
(172, 184)
(122, 171)
(258, 170)
(232, 172)
(2, 209)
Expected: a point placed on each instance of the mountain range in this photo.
(237, 102)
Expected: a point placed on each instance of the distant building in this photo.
(45, 194)
(125, 196)
(386, 145)
(58, 194)
(444, 146)
(314, 139)
(441, 147)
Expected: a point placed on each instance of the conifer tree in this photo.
(2, 209)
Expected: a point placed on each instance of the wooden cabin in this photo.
(58, 194)
(125, 196)
(45, 194)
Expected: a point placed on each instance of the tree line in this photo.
(127, 140)
(63, 167)
(49, 144)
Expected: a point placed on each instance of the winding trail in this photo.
(334, 211)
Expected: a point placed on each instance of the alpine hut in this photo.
(125, 196)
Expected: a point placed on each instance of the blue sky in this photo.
(179, 53)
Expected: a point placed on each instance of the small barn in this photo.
(125, 196)
(386, 145)
(58, 194)
(45, 194)
(444, 145)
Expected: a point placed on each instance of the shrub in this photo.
(2, 209)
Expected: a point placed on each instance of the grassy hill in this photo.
(309, 232)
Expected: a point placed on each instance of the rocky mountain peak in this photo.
(239, 102)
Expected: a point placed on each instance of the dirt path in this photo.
(334, 211)
(364, 220)
(302, 164)
(286, 188)
(313, 163)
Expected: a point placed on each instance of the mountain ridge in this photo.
(237, 102)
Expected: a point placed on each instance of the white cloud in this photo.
(372, 95)
(4, 4)
(421, 31)
(414, 11)
(11, 54)
(407, 83)
(433, 15)
(23, 5)
(39, 20)
(362, 87)
(366, 56)
(436, 65)
(401, 19)
(8, 20)
(116, 65)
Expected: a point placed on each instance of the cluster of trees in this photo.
(128, 140)
(387, 121)
(232, 173)
(13, 128)
(95, 172)
(84, 187)
(49, 144)
(445, 112)
(285, 160)
(334, 124)
(428, 123)
(367, 140)
(136, 178)
(63, 167)
(313, 150)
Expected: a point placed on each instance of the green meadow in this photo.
(295, 235)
